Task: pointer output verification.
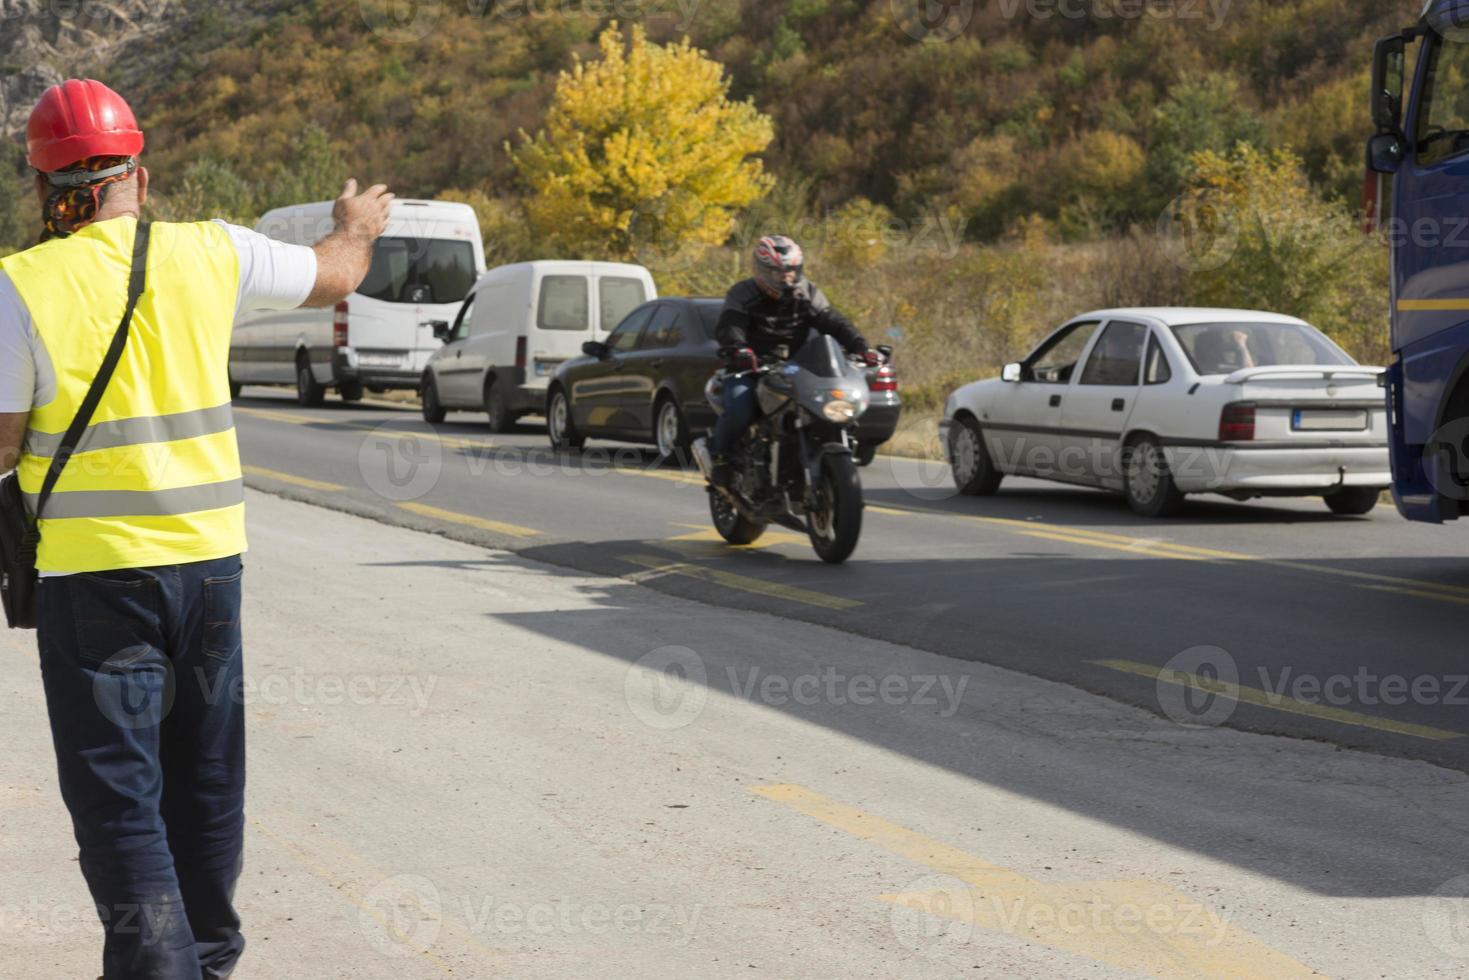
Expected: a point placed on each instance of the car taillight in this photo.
(1237, 423)
(520, 352)
(339, 326)
(886, 379)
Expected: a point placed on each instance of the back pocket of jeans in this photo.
(222, 616)
(117, 616)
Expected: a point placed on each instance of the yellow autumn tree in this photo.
(642, 151)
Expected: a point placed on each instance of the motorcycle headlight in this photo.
(840, 410)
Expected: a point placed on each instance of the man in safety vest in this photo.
(138, 606)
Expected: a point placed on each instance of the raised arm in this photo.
(12, 434)
(344, 257)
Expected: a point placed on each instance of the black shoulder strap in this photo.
(136, 285)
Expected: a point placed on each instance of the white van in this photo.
(382, 336)
(520, 323)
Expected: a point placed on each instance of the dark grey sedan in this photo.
(645, 384)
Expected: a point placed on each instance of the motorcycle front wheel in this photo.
(732, 526)
(834, 522)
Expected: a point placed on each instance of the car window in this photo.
(1056, 359)
(709, 314)
(419, 270)
(625, 338)
(563, 303)
(461, 322)
(619, 296)
(1442, 130)
(664, 331)
(1157, 370)
(1223, 348)
(1118, 355)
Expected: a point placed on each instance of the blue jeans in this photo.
(741, 409)
(142, 671)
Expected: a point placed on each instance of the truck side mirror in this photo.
(1385, 153)
(1012, 373)
(1388, 60)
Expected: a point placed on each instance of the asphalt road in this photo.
(1272, 616)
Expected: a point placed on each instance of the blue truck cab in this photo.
(1418, 194)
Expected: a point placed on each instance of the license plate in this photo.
(1329, 420)
(379, 360)
(545, 369)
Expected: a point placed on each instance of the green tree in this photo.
(19, 223)
(642, 150)
(1201, 113)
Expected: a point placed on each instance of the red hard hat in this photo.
(80, 119)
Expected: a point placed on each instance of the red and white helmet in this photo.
(780, 265)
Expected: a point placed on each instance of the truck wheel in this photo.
(310, 393)
(1151, 491)
(1353, 501)
(497, 407)
(433, 409)
(975, 473)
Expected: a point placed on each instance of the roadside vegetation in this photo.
(971, 193)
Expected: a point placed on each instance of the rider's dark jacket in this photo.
(752, 319)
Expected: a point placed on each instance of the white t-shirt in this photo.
(273, 276)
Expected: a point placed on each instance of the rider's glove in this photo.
(743, 359)
(872, 357)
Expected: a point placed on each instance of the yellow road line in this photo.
(361, 425)
(299, 481)
(469, 520)
(1432, 305)
(274, 416)
(662, 566)
(1140, 926)
(711, 536)
(1136, 547)
(1278, 702)
(1418, 593)
(1164, 549)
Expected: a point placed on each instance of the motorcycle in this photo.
(795, 467)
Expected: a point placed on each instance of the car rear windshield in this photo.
(709, 315)
(420, 270)
(563, 303)
(1223, 348)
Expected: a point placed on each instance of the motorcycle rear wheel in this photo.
(835, 522)
(732, 526)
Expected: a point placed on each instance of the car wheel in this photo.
(1149, 485)
(497, 407)
(559, 424)
(433, 409)
(670, 434)
(866, 452)
(975, 472)
(310, 393)
(351, 391)
(1353, 501)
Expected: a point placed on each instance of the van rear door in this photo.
(414, 280)
(562, 321)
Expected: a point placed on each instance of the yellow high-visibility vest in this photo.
(156, 478)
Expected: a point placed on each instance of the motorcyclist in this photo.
(776, 308)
